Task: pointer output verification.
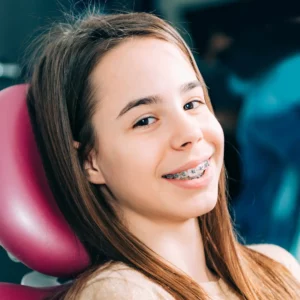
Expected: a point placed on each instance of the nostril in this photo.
(183, 145)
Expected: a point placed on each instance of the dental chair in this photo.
(32, 229)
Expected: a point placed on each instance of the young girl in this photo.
(134, 156)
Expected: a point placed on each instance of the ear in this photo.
(92, 168)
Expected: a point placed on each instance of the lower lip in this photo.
(203, 181)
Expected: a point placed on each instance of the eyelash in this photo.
(150, 117)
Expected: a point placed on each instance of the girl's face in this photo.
(152, 120)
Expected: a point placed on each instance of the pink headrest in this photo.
(9, 291)
(31, 225)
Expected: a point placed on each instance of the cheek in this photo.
(215, 135)
(219, 133)
(129, 175)
(129, 161)
(212, 129)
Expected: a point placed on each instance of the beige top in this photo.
(120, 282)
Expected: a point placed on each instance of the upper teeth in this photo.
(190, 172)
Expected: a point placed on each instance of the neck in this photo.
(179, 245)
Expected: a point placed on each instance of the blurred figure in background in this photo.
(266, 73)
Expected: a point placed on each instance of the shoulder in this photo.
(120, 282)
(280, 255)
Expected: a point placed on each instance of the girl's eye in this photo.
(193, 104)
(144, 122)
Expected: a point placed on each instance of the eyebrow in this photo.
(155, 99)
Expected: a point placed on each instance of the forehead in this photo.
(140, 67)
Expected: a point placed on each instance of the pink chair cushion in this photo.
(31, 225)
(9, 291)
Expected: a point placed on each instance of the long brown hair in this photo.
(61, 106)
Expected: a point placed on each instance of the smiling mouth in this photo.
(189, 174)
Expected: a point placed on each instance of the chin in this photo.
(203, 205)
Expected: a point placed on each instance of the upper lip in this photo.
(190, 165)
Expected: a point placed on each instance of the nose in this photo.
(186, 132)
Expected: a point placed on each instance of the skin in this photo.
(131, 160)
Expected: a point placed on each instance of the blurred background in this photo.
(249, 55)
